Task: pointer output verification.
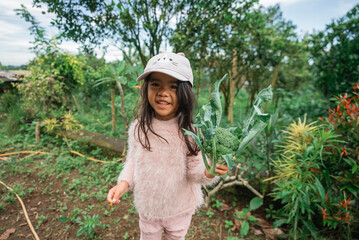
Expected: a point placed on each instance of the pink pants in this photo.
(174, 229)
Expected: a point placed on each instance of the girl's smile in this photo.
(162, 95)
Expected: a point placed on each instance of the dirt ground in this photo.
(48, 201)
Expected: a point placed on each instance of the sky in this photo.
(15, 38)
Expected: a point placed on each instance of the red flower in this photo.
(315, 170)
(344, 151)
(324, 213)
(321, 119)
(345, 203)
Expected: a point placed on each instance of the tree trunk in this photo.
(37, 132)
(113, 109)
(198, 82)
(232, 86)
(100, 140)
(119, 86)
(75, 101)
(274, 80)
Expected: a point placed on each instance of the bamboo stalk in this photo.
(25, 212)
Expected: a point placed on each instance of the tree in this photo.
(335, 53)
(204, 34)
(117, 75)
(139, 23)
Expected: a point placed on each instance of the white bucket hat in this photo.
(173, 64)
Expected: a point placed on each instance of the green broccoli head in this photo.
(226, 142)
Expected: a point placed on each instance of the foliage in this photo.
(317, 172)
(67, 123)
(209, 119)
(124, 22)
(335, 54)
(12, 114)
(246, 217)
(295, 179)
(40, 89)
(296, 103)
(88, 226)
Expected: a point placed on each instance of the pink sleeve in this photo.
(127, 174)
(195, 171)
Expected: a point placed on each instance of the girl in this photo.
(163, 166)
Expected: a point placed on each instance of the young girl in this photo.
(163, 166)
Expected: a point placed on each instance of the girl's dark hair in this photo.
(145, 114)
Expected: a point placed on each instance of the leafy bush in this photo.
(317, 172)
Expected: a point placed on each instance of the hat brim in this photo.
(165, 71)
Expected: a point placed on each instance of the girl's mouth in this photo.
(162, 104)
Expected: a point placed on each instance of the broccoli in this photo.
(217, 143)
(226, 142)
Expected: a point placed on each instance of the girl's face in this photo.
(162, 95)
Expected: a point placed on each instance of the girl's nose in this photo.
(163, 92)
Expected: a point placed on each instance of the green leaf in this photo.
(63, 219)
(215, 101)
(279, 222)
(229, 160)
(244, 228)
(199, 144)
(320, 189)
(252, 218)
(255, 203)
(255, 130)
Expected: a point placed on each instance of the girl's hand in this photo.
(115, 193)
(220, 169)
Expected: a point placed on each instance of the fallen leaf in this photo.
(263, 223)
(224, 207)
(272, 233)
(7, 233)
(256, 231)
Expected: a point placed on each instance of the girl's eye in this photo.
(174, 86)
(154, 84)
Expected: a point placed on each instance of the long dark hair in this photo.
(186, 100)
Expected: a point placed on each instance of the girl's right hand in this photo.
(116, 192)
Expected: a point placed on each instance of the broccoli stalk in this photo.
(219, 143)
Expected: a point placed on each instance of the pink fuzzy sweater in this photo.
(166, 182)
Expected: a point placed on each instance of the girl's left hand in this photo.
(220, 169)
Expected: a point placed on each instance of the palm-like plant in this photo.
(117, 75)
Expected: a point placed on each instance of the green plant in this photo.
(40, 219)
(126, 236)
(228, 224)
(299, 185)
(207, 125)
(88, 226)
(209, 214)
(246, 217)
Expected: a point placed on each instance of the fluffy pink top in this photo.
(166, 182)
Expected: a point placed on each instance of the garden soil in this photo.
(48, 202)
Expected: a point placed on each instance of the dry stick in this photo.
(91, 158)
(7, 149)
(28, 156)
(231, 181)
(25, 212)
(13, 153)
